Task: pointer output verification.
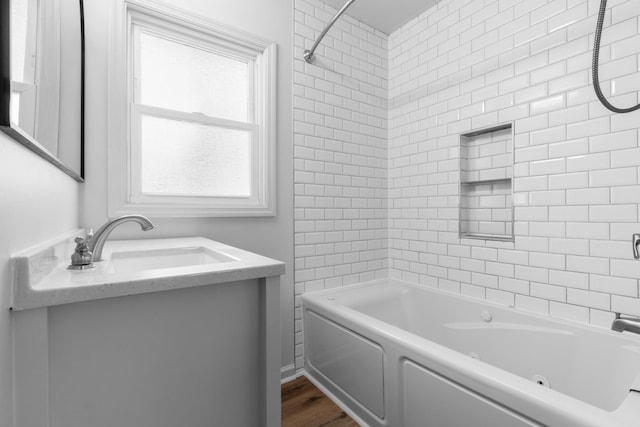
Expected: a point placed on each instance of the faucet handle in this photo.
(635, 240)
(89, 235)
(81, 257)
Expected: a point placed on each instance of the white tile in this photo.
(552, 71)
(591, 299)
(588, 128)
(621, 158)
(588, 162)
(501, 297)
(569, 180)
(472, 290)
(500, 269)
(566, 148)
(600, 318)
(613, 213)
(625, 194)
(569, 312)
(568, 115)
(549, 292)
(614, 285)
(536, 305)
(513, 285)
(587, 230)
(545, 105)
(586, 196)
(629, 268)
(569, 279)
(547, 198)
(613, 177)
(569, 246)
(484, 253)
(584, 264)
(547, 167)
(510, 256)
(547, 229)
(538, 213)
(625, 305)
(532, 183)
(533, 274)
(530, 93)
(621, 122)
(547, 260)
(568, 82)
(609, 248)
(548, 135)
(527, 243)
(614, 141)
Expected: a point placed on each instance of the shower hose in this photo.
(594, 65)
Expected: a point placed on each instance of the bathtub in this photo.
(395, 354)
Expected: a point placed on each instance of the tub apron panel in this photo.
(352, 362)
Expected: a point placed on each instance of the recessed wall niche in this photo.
(486, 171)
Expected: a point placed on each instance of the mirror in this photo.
(42, 71)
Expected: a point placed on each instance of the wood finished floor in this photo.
(303, 405)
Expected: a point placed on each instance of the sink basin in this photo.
(152, 259)
(130, 267)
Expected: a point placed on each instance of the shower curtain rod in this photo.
(309, 53)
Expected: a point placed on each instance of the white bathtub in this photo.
(395, 354)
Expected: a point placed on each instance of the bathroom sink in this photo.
(130, 267)
(152, 259)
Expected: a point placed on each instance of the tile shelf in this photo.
(494, 237)
(485, 181)
(491, 129)
(486, 208)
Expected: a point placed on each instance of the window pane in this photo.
(15, 107)
(22, 36)
(184, 78)
(190, 159)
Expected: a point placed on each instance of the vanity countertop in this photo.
(41, 278)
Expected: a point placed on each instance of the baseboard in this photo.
(288, 373)
(335, 400)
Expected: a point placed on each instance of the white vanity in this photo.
(162, 333)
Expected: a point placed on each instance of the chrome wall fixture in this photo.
(309, 53)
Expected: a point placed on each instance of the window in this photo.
(194, 120)
(24, 23)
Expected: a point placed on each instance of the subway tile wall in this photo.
(377, 123)
(465, 65)
(340, 154)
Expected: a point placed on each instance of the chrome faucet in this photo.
(95, 241)
(635, 240)
(630, 324)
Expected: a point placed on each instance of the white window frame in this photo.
(124, 185)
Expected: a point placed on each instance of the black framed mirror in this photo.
(42, 70)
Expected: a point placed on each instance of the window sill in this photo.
(188, 211)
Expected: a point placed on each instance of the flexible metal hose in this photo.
(594, 66)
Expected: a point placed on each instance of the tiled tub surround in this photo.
(340, 154)
(460, 66)
(465, 65)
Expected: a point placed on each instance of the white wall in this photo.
(272, 237)
(39, 202)
(465, 65)
(340, 166)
